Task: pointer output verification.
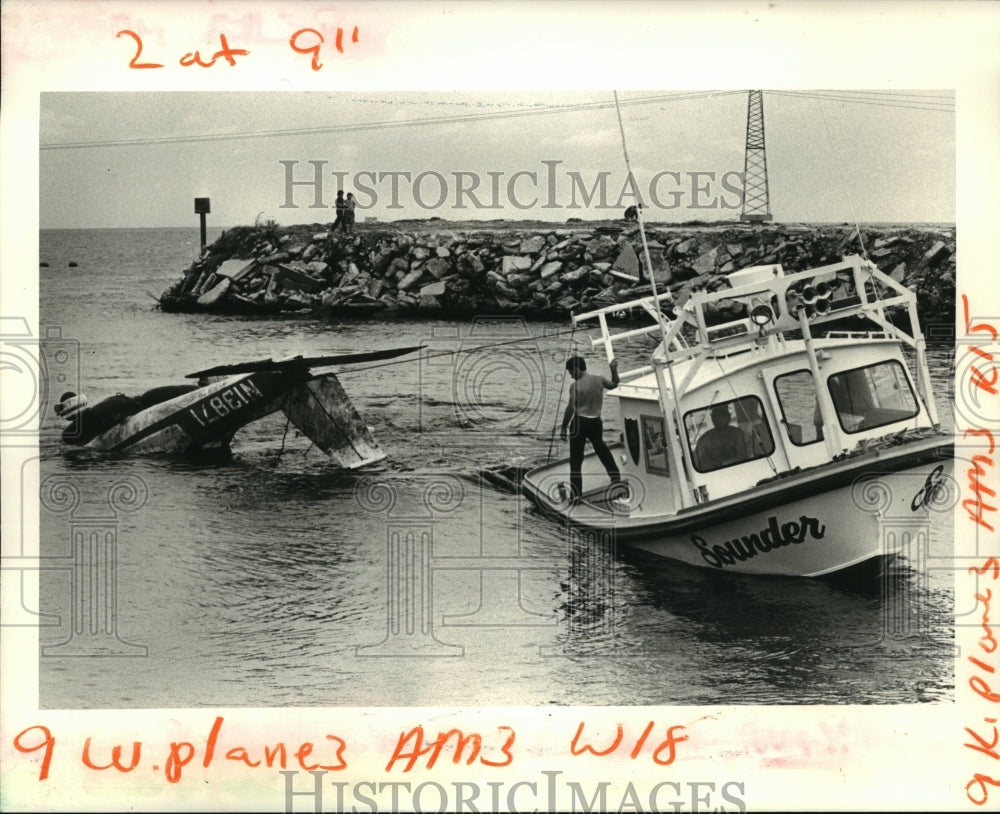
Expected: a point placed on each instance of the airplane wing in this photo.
(302, 362)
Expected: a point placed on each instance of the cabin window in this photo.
(799, 407)
(728, 433)
(654, 444)
(872, 396)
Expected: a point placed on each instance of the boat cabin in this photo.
(760, 380)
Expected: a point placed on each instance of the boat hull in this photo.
(812, 523)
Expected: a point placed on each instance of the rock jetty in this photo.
(544, 271)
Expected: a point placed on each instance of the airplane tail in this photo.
(321, 409)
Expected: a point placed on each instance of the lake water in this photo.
(274, 579)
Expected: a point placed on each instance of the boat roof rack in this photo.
(773, 301)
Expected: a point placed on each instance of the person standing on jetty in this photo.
(341, 206)
(349, 213)
(583, 411)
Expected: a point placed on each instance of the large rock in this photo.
(438, 266)
(532, 245)
(553, 267)
(520, 280)
(515, 262)
(706, 261)
(600, 248)
(936, 253)
(506, 291)
(408, 281)
(433, 290)
(627, 262)
(471, 264)
(663, 275)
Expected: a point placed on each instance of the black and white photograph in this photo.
(394, 436)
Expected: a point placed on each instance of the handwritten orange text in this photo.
(39, 742)
(306, 41)
(411, 746)
(983, 680)
(301, 44)
(977, 505)
(983, 683)
(664, 754)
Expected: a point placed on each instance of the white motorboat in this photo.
(763, 436)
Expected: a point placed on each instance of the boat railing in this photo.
(774, 301)
(650, 305)
(627, 380)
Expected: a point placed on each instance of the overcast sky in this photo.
(832, 156)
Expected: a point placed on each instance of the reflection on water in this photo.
(760, 639)
(273, 579)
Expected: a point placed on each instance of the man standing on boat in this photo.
(583, 411)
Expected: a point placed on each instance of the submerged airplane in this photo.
(190, 418)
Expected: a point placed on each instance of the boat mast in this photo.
(669, 406)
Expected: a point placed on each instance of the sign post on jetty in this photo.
(202, 206)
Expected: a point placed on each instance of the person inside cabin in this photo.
(723, 444)
(582, 420)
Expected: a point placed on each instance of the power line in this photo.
(864, 100)
(888, 99)
(916, 94)
(391, 125)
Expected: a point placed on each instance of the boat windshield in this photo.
(799, 407)
(728, 433)
(872, 396)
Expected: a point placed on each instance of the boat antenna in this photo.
(642, 229)
(663, 330)
(838, 163)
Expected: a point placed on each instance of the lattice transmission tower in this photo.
(756, 199)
